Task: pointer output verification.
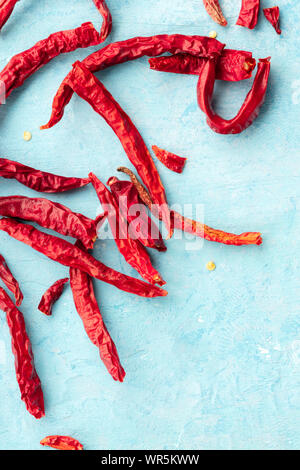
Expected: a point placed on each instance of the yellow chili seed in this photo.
(213, 34)
(211, 266)
(27, 136)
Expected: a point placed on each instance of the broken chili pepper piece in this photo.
(6, 9)
(249, 13)
(28, 380)
(215, 12)
(61, 443)
(66, 254)
(272, 15)
(10, 282)
(170, 160)
(250, 108)
(51, 296)
(132, 250)
(50, 215)
(38, 180)
(89, 312)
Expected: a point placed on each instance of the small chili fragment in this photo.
(272, 15)
(89, 312)
(6, 9)
(39, 180)
(249, 13)
(61, 443)
(66, 254)
(51, 296)
(214, 10)
(10, 282)
(28, 380)
(170, 160)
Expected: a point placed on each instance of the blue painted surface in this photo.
(215, 365)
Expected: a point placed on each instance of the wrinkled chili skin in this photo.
(66, 254)
(28, 380)
(61, 443)
(89, 312)
(250, 108)
(38, 180)
(215, 12)
(6, 9)
(132, 250)
(273, 16)
(170, 160)
(107, 19)
(50, 215)
(51, 296)
(249, 13)
(10, 282)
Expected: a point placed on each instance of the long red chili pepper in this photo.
(51, 296)
(107, 19)
(250, 108)
(214, 10)
(133, 251)
(61, 443)
(38, 180)
(66, 254)
(6, 9)
(249, 13)
(232, 65)
(170, 160)
(89, 312)
(50, 215)
(10, 282)
(28, 380)
(135, 212)
(272, 15)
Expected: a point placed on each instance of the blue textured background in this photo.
(215, 365)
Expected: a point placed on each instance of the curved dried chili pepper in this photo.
(170, 160)
(6, 9)
(107, 19)
(89, 312)
(272, 15)
(132, 250)
(38, 180)
(66, 254)
(28, 380)
(10, 282)
(250, 108)
(51, 296)
(61, 443)
(249, 13)
(215, 12)
(51, 215)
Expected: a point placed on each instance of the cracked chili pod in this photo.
(249, 13)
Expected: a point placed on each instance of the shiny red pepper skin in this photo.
(170, 160)
(50, 215)
(61, 443)
(66, 254)
(249, 13)
(89, 312)
(38, 180)
(214, 10)
(132, 250)
(232, 65)
(10, 282)
(272, 15)
(28, 380)
(250, 108)
(6, 9)
(51, 296)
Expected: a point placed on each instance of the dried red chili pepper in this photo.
(66, 254)
(50, 215)
(214, 10)
(10, 282)
(232, 65)
(250, 108)
(107, 19)
(249, 13)
(6, 9)
(51, 296)
(272, 15)
(170, 160)
(28, 380)
(89, 312)
(132, 250)
(61, 443)
(38, 180)
(135, 212)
